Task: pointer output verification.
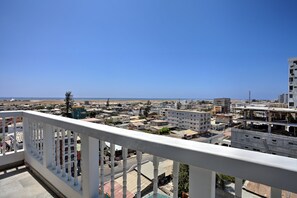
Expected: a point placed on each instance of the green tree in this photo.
(221, 180)
(68, 103)
(140, 112)
(178, 105)
(183, 179)
(107, 103)
(164, 131)
(92, 114)
(147, 108)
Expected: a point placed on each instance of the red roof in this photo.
(118, 190)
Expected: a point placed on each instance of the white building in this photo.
(292, 103)
(185, 119)
(121, 118)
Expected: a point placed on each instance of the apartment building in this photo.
(292, 100)
(185, 119)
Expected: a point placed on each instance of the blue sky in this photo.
(149, 48)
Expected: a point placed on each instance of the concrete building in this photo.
(283, 98)
(159, 123)
(292, 101)
(121, 118)
(224, 103)
(224, 118)
(79, 112)
(185, 119)
(268, 130)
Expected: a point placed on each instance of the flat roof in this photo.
(187, 111)
(277, 109)
(91, 120)
(159, 121)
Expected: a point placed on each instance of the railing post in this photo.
(90, 165)
(26, 134)
(238, 187)
(48, 145)
(201, 182)
(276, 193)
(175, 178)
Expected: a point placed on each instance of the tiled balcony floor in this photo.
(20, 182)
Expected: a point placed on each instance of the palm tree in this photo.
(68, 103)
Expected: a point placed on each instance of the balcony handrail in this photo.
(272, 170)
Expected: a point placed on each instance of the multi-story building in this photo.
(224, 103)
(185, 119)
(283, 98)
(268, 130)
(292, 101)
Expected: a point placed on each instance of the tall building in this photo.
(283, 98)
(186, 119)
(224, 103)
(292, 103)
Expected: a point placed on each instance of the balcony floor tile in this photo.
(20, 182)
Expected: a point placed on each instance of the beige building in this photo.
(185, 119)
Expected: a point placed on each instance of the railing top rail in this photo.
(276, 171)
(11, 113)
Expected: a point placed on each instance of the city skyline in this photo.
(155, 49)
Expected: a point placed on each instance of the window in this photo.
(291, 95)
(290, 88)
(291, 104)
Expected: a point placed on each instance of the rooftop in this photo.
(276, 109)
(187, 111)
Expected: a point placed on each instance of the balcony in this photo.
(48, 151)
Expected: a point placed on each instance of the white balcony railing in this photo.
(50, 148)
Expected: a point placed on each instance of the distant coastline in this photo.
(91, 99)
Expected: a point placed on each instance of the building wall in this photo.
(264, 142)
(292, 88)
(283, 98)
(197, 121)
(224, 103)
